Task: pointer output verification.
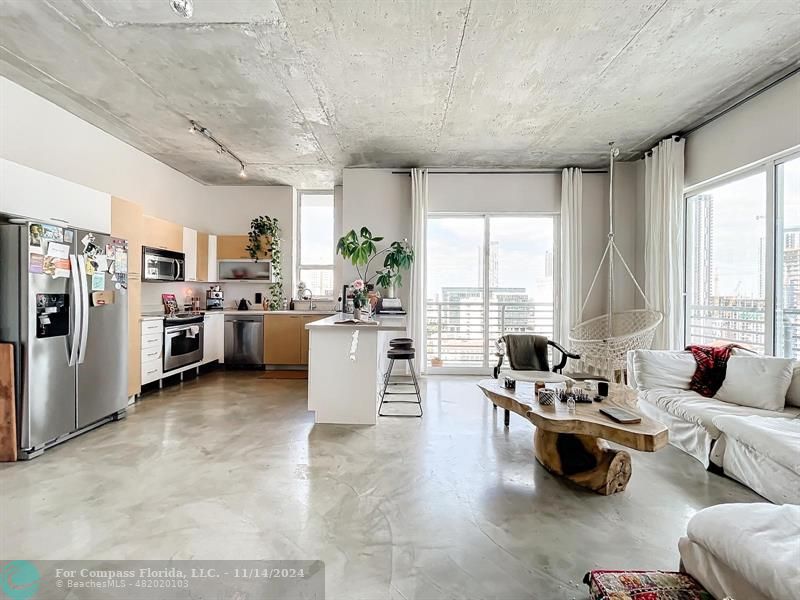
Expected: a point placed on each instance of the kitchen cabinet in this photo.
(213, 267)
(286, 338)
(190, 254)
(202, 257)
(214, 337)
(282, 340)
(159, 233)
(134, 340)
(38, 196)
(152, 343)
(234, 247)
(127, 222)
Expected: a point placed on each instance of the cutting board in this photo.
(8, 413)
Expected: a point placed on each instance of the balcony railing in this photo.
(462, 334)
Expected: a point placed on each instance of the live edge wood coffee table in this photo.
(574, 445)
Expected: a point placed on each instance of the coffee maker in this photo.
(215, 298)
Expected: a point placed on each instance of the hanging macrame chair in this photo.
(603, 342)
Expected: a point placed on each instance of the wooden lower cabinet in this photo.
(286, 338)
(282, 345)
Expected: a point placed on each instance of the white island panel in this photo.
(344, 389)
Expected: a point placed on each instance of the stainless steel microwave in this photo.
(162, 265)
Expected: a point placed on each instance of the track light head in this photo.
(182, 8)
(243, 173)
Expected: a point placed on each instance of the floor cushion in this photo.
(644, 585)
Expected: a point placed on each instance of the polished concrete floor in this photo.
(231, 466)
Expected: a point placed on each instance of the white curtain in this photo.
(664, 246)
(571, 298)
(419, 218)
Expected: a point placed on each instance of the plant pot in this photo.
(390, 292)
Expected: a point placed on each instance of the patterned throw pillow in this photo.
(644, 585)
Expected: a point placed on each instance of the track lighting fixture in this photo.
(195, 127)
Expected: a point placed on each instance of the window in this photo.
(787, 260)
(315, 242)
(743, 260)
(486, 276)
(726, 283)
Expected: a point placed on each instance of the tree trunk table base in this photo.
(573, 444)
(585, 460)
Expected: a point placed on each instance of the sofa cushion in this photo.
(662, 369)
(694, 408)
(757, 381)
(778, 439)
(793, 393)
(762, 546)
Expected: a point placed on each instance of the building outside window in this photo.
(315, 213)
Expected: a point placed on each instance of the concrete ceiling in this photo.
(300, 89)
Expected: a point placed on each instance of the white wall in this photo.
(761, 127)
(36, 133)
(381, 200)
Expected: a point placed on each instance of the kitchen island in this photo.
(345, 366)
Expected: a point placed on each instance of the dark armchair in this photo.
(533, 358)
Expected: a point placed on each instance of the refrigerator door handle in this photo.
(84, 307)
(77, 307)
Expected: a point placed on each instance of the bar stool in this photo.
(400, 349)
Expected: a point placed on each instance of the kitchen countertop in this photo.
(385, 323)
(153, 316)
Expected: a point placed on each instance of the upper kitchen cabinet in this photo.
(31, 194)
(127, 222)
(159, 233)
(190, 253)
(202, 257)
(234, 247)
(213, 267)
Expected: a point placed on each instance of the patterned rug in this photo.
(644, 585)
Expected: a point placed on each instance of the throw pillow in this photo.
(662, 369)
(709, 373)
(756, 381)
(793, 393)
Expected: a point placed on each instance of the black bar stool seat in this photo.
(400, 349)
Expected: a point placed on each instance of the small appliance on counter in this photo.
(244, 304)
(215, 298)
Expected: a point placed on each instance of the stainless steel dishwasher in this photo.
(244, 339)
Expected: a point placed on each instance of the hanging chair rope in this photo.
(603, 342)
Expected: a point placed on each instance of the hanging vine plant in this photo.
(265, 237)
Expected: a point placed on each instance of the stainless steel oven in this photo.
(162, 265)
(183, 341)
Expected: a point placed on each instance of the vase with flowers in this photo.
(360, 297)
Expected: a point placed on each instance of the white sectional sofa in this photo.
(755, 560)
(753, 434)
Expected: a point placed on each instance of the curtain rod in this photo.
(534, 172)
(737, 102)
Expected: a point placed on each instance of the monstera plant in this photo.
(361, 249)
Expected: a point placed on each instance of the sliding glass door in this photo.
(486, 275)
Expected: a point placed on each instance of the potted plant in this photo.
(361, 249)
(360, 297)
(264, 237)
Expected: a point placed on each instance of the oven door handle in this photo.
(173, 332)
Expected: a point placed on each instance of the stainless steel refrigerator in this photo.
(64, 304)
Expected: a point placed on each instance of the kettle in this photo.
(244, 304)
